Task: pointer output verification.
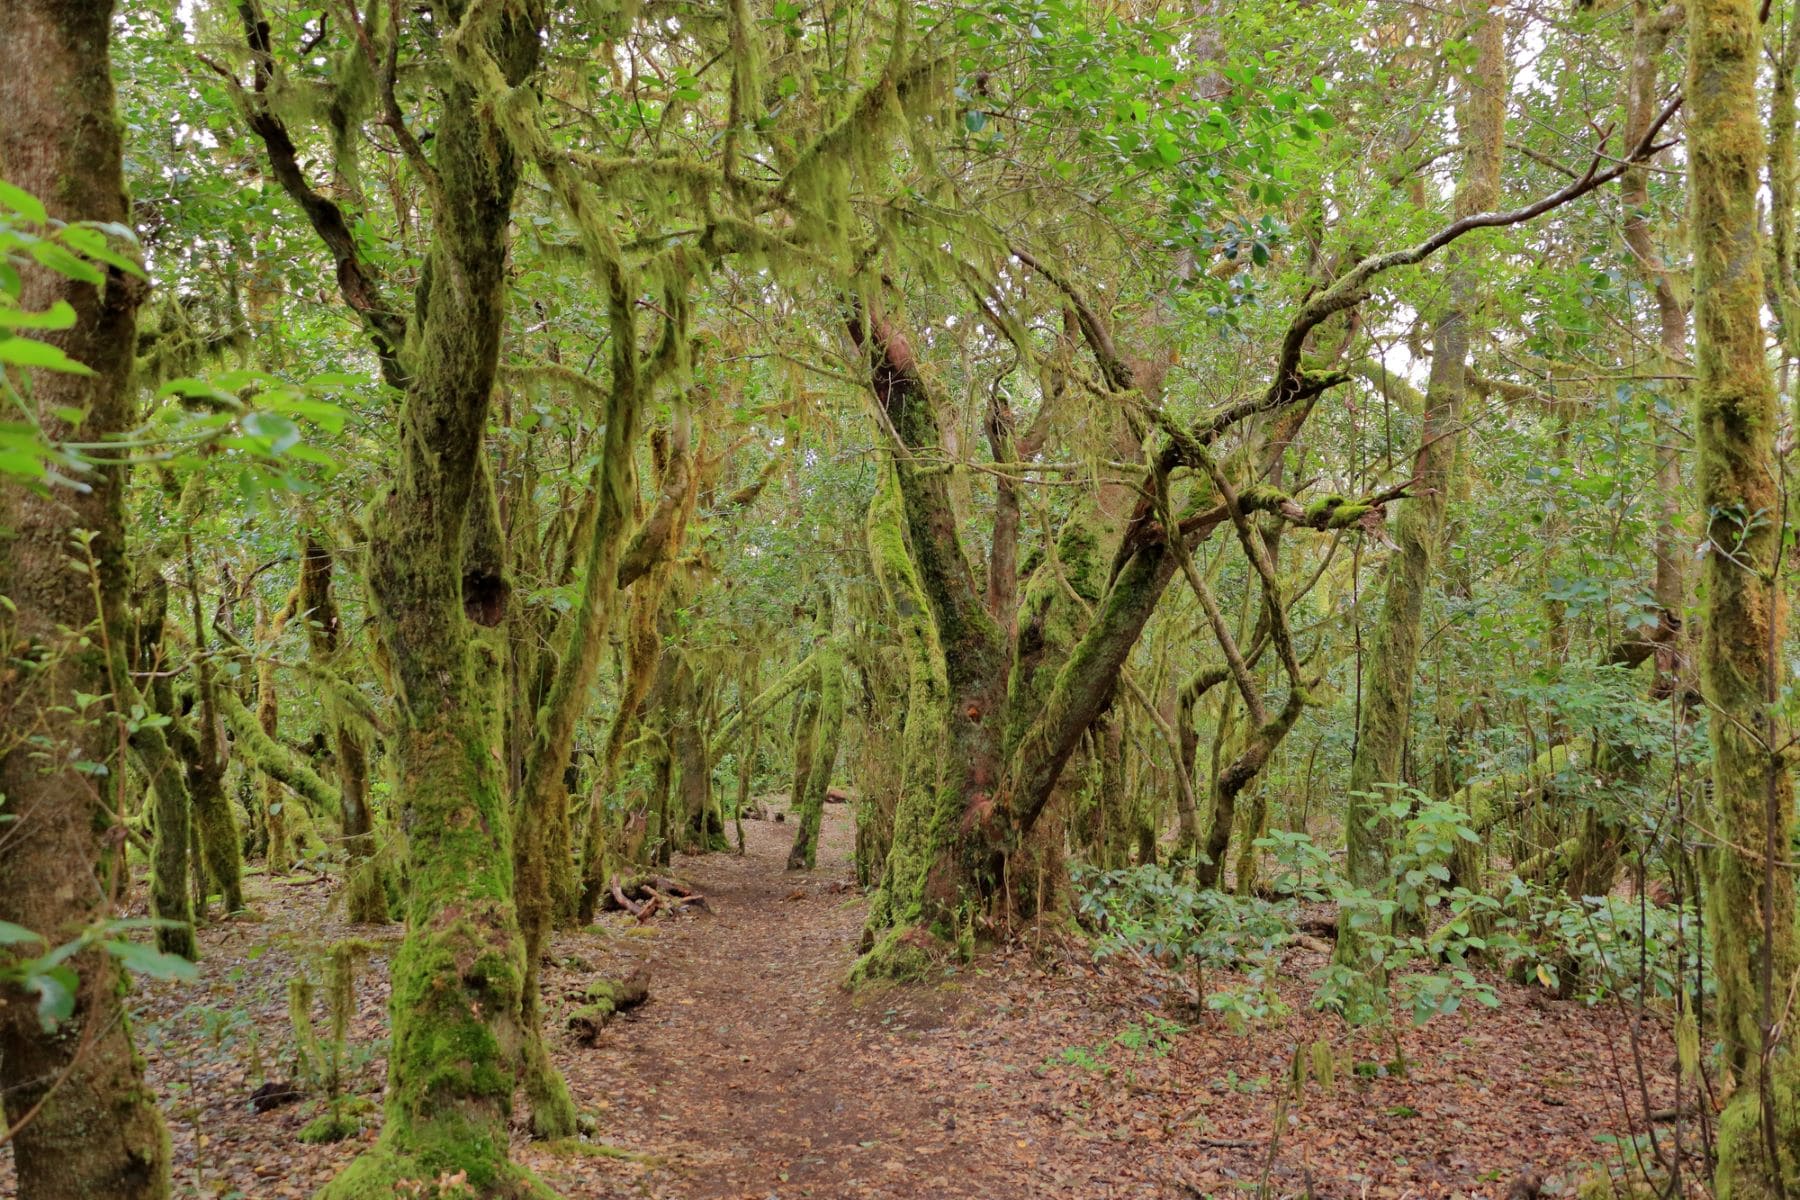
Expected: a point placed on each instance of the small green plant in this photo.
(1602, 946)
(1151, 1037)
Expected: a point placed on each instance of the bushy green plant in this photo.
(1602, 946)
(1151, 913)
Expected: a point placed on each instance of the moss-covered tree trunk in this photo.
(643, 651)
(82, 1121)
(697, 803)
(154, 748)
(963, 853)
(1756, 950)
(804, 853)
(1419, 529)
(1002, 768)
(366, 898)
(457, 1042)
(280, 854)
(749, 747)
(926, 810)
(221, 846)
(806, 737)
(544, 870)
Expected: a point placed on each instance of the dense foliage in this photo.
(1203, 478)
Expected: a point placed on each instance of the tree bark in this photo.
(83, 1122)
(365, 895)
(804, 853)
(458, 1041)
(1756, 951)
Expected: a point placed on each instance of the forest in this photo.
(965, 598)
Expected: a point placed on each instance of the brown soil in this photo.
(751, 1072)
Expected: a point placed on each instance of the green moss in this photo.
(822, 758)
(1321, 507)
(274, 759)
(927, 809)
(1737, 413)
(1744, 1171)
(1260, 497)
(1347, 515)
(342, 1119)
(905, 954)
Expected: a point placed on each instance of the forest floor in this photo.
(1036, 1072)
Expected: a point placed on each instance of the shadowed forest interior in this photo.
(780, 598)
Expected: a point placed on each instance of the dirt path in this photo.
(751, 1072)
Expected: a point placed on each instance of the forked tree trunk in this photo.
(82, 1121)
(457, 1040)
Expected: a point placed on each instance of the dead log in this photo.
(604, 999)
(621, 900)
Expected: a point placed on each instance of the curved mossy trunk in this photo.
(543, 865)
(1209, 865)
(643, 653)
(153, 745)
(1055, 609)
(1249, 857)
(916, 887)
(1486, 802)
(457, 1043)
(366, 897)
(806, 738)
(659, 848)
(170, 902)
(1419, 529)
(1752, 905)
(804, 853)
(1187, 820)
(702, 819)
(214, 826)
(949, 854)
(82, 1122)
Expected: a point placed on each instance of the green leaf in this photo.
(15, 935)
(23, 352)
(66, 263)
(55, 989)
(141, 959)
(60, 315)
(19, 463)
(24, 203)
